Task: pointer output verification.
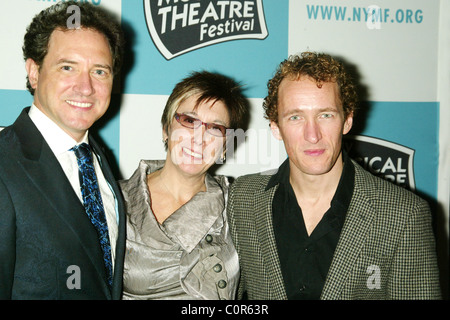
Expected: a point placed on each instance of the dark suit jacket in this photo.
(386, 249)
(44, 230)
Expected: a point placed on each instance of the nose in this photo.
(84, 85)
(312, 131)
(198, 135)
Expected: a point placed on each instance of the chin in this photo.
(315, 169)
(194, 170)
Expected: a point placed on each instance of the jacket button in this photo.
(222, 284)
(209, 238)
(217, 267)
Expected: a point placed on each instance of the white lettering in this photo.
(374, 281)
(164, 12)
(213, 30)
(209, 311)
(74, 281)
(193, 12)
(223, 5)
(177, 16)
(248, 9)
(399, 165)
(210, 12)
(388, 165)
(74, 21)
(203, 30)
(235, 9)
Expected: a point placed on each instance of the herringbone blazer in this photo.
(386, 249)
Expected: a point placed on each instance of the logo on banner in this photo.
(383, 158)
(180, 26)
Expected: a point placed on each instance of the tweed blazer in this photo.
(386, 249)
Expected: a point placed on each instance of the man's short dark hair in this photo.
(58, 16)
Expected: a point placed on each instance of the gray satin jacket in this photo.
(190, 255)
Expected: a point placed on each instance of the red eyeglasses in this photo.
(215, 129)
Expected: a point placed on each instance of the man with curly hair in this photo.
(321, 227)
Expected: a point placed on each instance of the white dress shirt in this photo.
(60, 143)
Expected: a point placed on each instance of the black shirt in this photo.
(304, 259)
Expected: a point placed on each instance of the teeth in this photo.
(193, 154)
(79, 104)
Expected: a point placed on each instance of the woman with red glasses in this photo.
(178, 241)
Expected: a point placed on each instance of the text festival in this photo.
(217, 19)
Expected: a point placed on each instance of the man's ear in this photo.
(348, 123)
(32, 71)
(275, 130)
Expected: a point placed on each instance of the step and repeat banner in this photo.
(391, 46)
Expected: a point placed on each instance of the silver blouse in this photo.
(190, 255)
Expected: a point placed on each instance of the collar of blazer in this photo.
(44, 171)
(356, 227)
(264, 225)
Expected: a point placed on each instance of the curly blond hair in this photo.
(319, 67)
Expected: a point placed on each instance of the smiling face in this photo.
(311, 124)
(73, 85)
(194, 151)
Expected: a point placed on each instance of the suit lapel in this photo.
(48, 177)
(44, 171)
(356, 227)
(266, 235)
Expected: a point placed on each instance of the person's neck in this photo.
(316, 187)
(182, 187)
(314, 193)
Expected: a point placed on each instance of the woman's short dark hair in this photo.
(60, 16)
(208, 86)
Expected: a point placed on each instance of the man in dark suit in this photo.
(322, 227)
(49, 247)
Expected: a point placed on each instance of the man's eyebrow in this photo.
(97, 65)
(66, 61)
(329, 109)
(103, 66)
(303, 110)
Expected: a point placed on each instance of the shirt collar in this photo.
(344, 192)
(281, 175)
(58, 140)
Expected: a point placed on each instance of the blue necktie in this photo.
(92, 200)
